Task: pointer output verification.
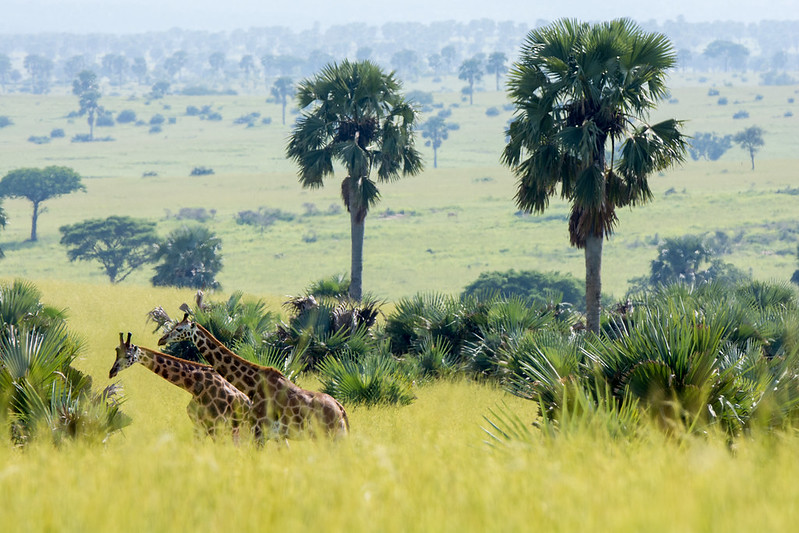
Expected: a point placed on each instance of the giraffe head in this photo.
(127, 355)
(182, 331)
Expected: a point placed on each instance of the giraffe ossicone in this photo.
(279, 406)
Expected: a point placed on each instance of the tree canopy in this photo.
(189, 257)
(38, 185)
(121, 244)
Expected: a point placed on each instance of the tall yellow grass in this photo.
(424, 467)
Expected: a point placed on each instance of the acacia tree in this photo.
(38, 185)
(86, 88)
(471, 70)
(750, 139)
(282, 89)
(579, 89)
(356, 115)
(120, 244)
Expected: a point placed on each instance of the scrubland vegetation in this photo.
(475, 399)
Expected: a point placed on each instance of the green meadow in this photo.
(423, 467)
(434, 232)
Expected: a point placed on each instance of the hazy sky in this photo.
(127, 16)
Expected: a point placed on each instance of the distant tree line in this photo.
(256, 57)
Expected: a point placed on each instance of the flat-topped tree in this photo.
(120, 244)
(354, 114)
(39, 185)
(583, 93)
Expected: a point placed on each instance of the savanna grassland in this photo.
(422, 467)
(434, 232)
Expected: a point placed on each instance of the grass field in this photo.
(434, 232)
(424, 467)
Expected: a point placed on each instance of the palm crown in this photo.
(576, 87)
(354, 114)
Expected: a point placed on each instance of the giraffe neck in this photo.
(235, 369)
(176, 371)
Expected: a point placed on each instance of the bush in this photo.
(105, 120)
(492, 112)
(248, 119)
(200, 214)
(41, 393)
(57, 133)
(708, 146)
(263, 217)
(212, 116)
(126, 116)
(156, 119)
(539, 288)
(86, 138)
(201, 171)
(39, 139)
(155, 129)
(723, 100)
(712, 92)
(741, 114)
(420, 97)
(192, 111)
(377, 379)
(5, 121)
(190, 257)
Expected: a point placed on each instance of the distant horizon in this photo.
(142, 16)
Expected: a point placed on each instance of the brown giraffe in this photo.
(214, 402)
(278, 404)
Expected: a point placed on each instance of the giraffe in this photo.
(279, 405)
(214, 401)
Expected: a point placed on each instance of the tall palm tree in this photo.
(354, 114)
(583, 94)
(282, 89)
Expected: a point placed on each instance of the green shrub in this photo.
(41, 394)
(372, 380)
(538, 287)
(126, 116)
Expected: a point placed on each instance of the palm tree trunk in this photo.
(357, 225)
(593, 282)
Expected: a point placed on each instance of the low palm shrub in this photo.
(374, 379)
(41, 394)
